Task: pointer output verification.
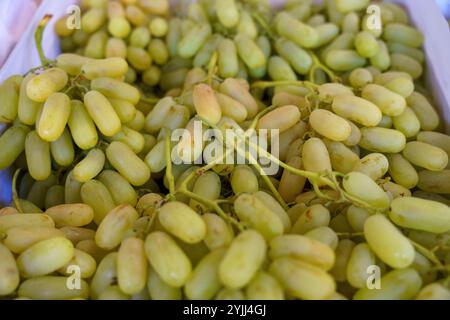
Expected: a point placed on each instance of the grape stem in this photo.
(169, 173)
(38, 38)
(427, 253)
(14, 191)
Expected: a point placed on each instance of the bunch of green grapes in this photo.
(363, 179)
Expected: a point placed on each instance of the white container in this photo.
(425, 15)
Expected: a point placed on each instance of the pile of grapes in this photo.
(102, 211)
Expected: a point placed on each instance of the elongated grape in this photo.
(357, 109)
(361, 186)
(95, 194)
(38, 156)
(292, 29)
(12, 144)
(382, 140)
(42, 86)
(426, 155)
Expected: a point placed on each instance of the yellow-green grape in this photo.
(105, 274)
(298, 58)
(119, 27)
(80, 38)
(113, 226)
(315, 156)
(426, 156)
(393, 248)
(230, 294)
(54, 196)
(312, 217)
(301, 247)
(231, 108)
(218, 232)
(435, 182)
(302, 280)
(395, 190)
(155, 159)
(382, 140)
(177, 118)
(132, 266)
(242, 259)
(291, 184)
(125, 110)
(9, 272)
(119, 188)
(12, 143)
(227, 59)
(62, 29)
(361, 259)
(151, 76)
(204, 282)
(63, 215)
(38, 189)
(407, 123)
(234, 89)
(249, 52)
(291, 135)
(130, 137)
(204, 54)
(366, 44)
(382, 59)
(206, 103)
(138, 122)
(173, 36)
(102, 112)
(275, 207)
(404, 63)
(264, 287)
(208, 187)
(403, 34)
(72, 189)
(158, 27)
(81, 126)
(155, 7)
(434, 291)
(390, 103)
(139, 58)
(45, 256)
(344, 60)
(42, 86)
(329, 125)
(243, 179)
(93, 19)
(158, 51)
(90, 166)
(436, 139)
(398, 82)
(254, 212)
(374, 165)
(127, 163)
(417, 54)
(356, 217)
(10, 100)
(167, 259)
(294, 30)
(22, 237)
(343, 41)
(386, 122)
(282, 118)
(111, 67)
(95, 194)
(359, 78)
(25, 220)
(346, 6)
(247, 25)
(350, 23)
(183, 222)
(327, 32)
(194, 39)
(95, 47)
(357, 109)
(329, 91)
(160, 290)
(116, 48)
(343, 159)
(401, 171)
(54, 116)
(227, 13)
(364, 188)
(140, 37)
(402, 284)
(52, 288)
(116, 89)
(71, 63)
(427, 115)
(62, 149)
(279, 69)
(420, 214)
(343, 252)
(82, 259)
(37, 152)
(197, 12)
(195, 76)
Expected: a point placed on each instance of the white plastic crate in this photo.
(425, 14)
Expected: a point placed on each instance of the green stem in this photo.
(317, 64)
(427, 253)
(169, 174)
(257, 117)
(212, 68)
(38, 38)
(263, 24)
(149, 100)
(16, 199)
